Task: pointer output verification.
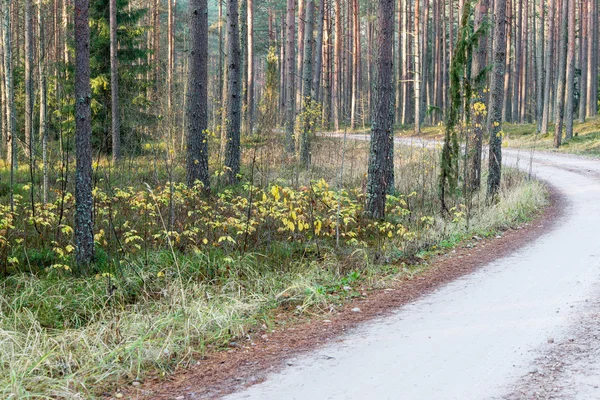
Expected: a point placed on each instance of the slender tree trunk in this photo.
(84, 226)
(548, 63)
(417, 67)
(559, 110)
(114, 84)
(11, 116)
(250, 58)
(379, 156)
(290, 76)
(355, 64)
(570, 92)
(234, 101)
(197, 97)
(496, 101)
(405, 69)
(337, 64)
(583, 42)
(300, 76)
(42, 61)
(307, 71)
(29, 94)
(540, 68)
(477, 68)
(592, 82)
(318, 72)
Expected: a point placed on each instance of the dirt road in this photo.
(526, 326)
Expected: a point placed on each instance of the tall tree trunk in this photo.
(307, 71)
(42, 61)
(355, 64)
(559, 110)
(496, 101)
(290, 76)
(197, 97)
(234, 98)
(592, 82)
(417, 67)
(548, 63)
(478, 68)
(337, 64)
(570, 92)
(84, 226)
(583, 43)
(114, 84)
(250, 73)
(318, 72)
(29, 101)
(9, 90)
(380, 162)
(301, 27)
(540, 69)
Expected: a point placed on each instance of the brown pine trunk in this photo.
(570, 91)
(318, 71)
(114, 84)
(337, 65)
(540, 68)
(290, 76)
(559, 110)
(496, 100)
(42, 61)
(549, 61)
(84, 226)
(478, 66)
(197, 97)
(28, 79)
(234, 95)
(583, 60)
(250, 73)
(355, 64)
(381, 152)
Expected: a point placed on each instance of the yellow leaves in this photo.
(205, 241)
(275, 192)
(226, 239)
(318, 226)
(160, 274)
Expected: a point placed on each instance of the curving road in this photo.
(526, 326)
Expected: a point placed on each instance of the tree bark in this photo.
(42, 61)
(250, 73)
(549, 57)
(9, 93)
(114, 84)
(234, 101)
(497, 99)
(583, 42)
(559, 111)
(318, 71)
(570, 92)
(337, 65)
(197, 97)
(84, 225)
(540, 68)
(290, 76)
(477, 68)
(380, 161)
(307, 71)
(29, 101)
(417, 68)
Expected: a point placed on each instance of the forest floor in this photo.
(266, 352)
(523, 326)
(155, 306)
(586, 140)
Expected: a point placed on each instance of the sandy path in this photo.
(520, 327)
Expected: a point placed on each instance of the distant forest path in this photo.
(524, 326)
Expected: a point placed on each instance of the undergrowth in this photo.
(173, 283)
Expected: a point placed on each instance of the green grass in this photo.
(63, 336)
